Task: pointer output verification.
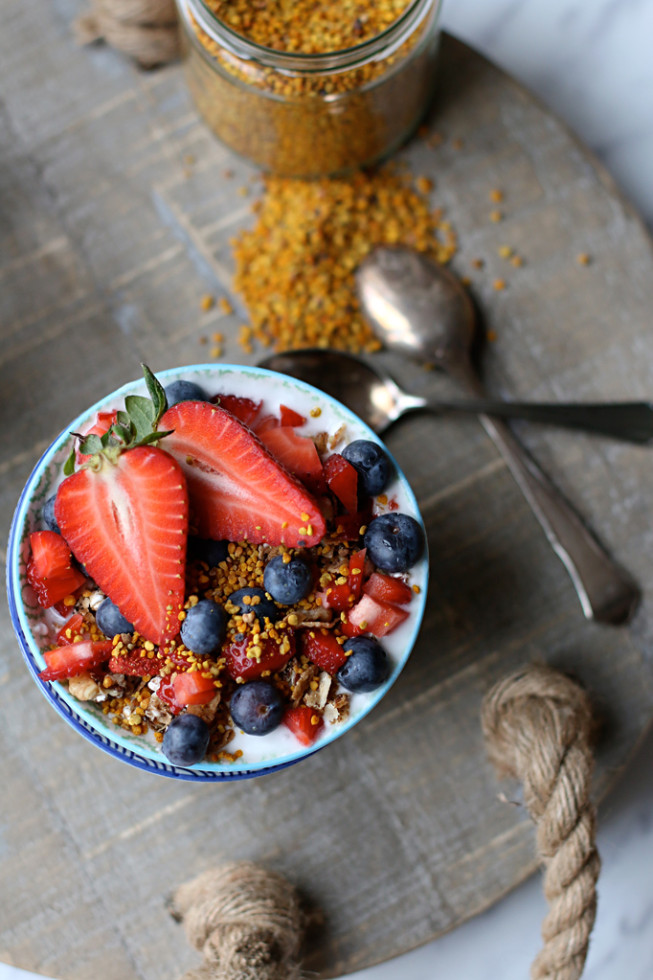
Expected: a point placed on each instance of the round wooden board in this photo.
(120, 218)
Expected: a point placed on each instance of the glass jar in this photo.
(310, 115)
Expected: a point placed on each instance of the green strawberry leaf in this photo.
(69, 465)
(141, 412)
(90, 445)
(157, 394)
(154, 437)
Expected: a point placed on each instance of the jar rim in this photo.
(375, 48)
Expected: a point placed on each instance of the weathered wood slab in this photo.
(115, 218)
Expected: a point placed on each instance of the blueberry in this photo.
(257, 707)
(287, 582)
(186, 740)
(264, 608)
(184, 391)
(371, 463)
(366, 668)
(48, 514)
(394, 542)
(208, 550)
(204, 629)
(111, 621)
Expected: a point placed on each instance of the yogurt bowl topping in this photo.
(216, 572)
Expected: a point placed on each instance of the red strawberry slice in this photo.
(50, 571)
(245, 409)
(342, 479)
(136, 663)
(237, 489)
(304, 722)
(385, 588)
(271, 658)
(322, 649)
(339, 597)
(267, 422)
(192, 687)
(127, 522)
(377, 618)
(297, 453)
(290, 417)
(74, 630)
(73, 659)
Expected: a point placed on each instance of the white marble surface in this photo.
(591, 61)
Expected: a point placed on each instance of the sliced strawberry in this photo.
(245, 409)
(102, 424)
(267, 422)
(72, 630)
(127, 522)
(298, 454)
(378, 618)
(385, 588)
(356, 571)
(136, 663)
(304, 722)
(272, 656)
(50, 570)
(342, 480)
(290, 417)
(192, 687)
(322, 649)
(339, 597)
(166, 693)
(237, 489)
(74, 658)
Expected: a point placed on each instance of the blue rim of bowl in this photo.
(114, 744)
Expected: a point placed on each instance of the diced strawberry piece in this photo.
(304, 722)
(356, 571)
(298, 454)
(349, 629)
(50, 571)
(342, 480)
(103, 422)
(273, 657)
(166, 693)
(192, 687)
(127, 522)
(74, 658)
(385, 588)
(134, 664)
(266, 423)
(237, 489)
(339, 597)
(290, 417)
(378, 618)
(322, 649)
(75, 627)
(245, 409)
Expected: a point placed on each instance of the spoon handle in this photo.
(631, 421)
(607, 593)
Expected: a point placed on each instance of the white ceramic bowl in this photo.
(35, 627)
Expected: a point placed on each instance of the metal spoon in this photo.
(376, 398)
(420, 308)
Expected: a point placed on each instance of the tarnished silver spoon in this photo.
(419, 308)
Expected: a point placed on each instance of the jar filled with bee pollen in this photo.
(312, 87)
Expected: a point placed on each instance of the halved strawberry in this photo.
(127, 522)
(50, 570)
(272, 656)
(305, 723)
(377, 618)
(237, 489)
(385, 588)
(245, 409)
(342, 480)
(192, 687)
(322, 649)
(298, 454)
(290, 417)
(74, 658)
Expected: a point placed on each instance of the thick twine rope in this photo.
(145, 30)
(538, 726)
(249, 924)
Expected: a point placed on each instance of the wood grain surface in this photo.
(115, 219)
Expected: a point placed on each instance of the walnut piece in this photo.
(83, 687)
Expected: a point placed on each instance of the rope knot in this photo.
(538, 724)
